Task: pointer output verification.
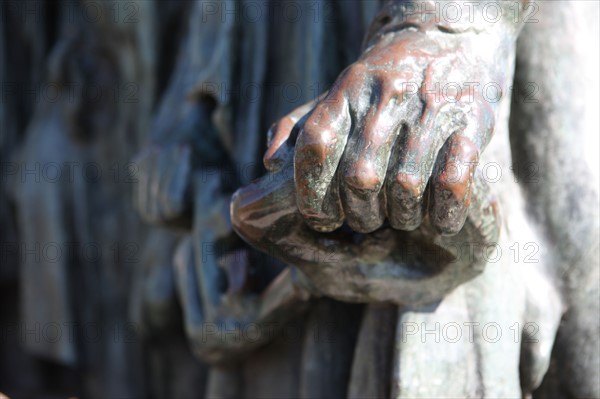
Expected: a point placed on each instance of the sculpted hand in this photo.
(184, 142)
(408, 114)
(412, 268)
(162, 193)
(231, 300)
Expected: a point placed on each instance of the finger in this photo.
(365, 164)
(279, 145)
(318, 151)
(174, 183)
(147, 202)
(451, 184)
(451, 181)
(406, 182)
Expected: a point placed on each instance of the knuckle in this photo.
(314, 131)
(353, 74)
(358, 70)
(335, 99)
(315, 143)
(452, 173)
(409, 185)
(363, 176)
(454, 183)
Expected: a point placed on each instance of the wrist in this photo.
(486, 19)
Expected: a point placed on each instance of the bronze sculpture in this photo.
(426, 227)
(341, 173)
(364, 154)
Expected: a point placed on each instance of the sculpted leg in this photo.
(554, 135)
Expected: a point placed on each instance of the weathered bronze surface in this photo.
(424, 221)
(376, 200)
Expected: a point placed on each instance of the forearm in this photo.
(501, 19)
